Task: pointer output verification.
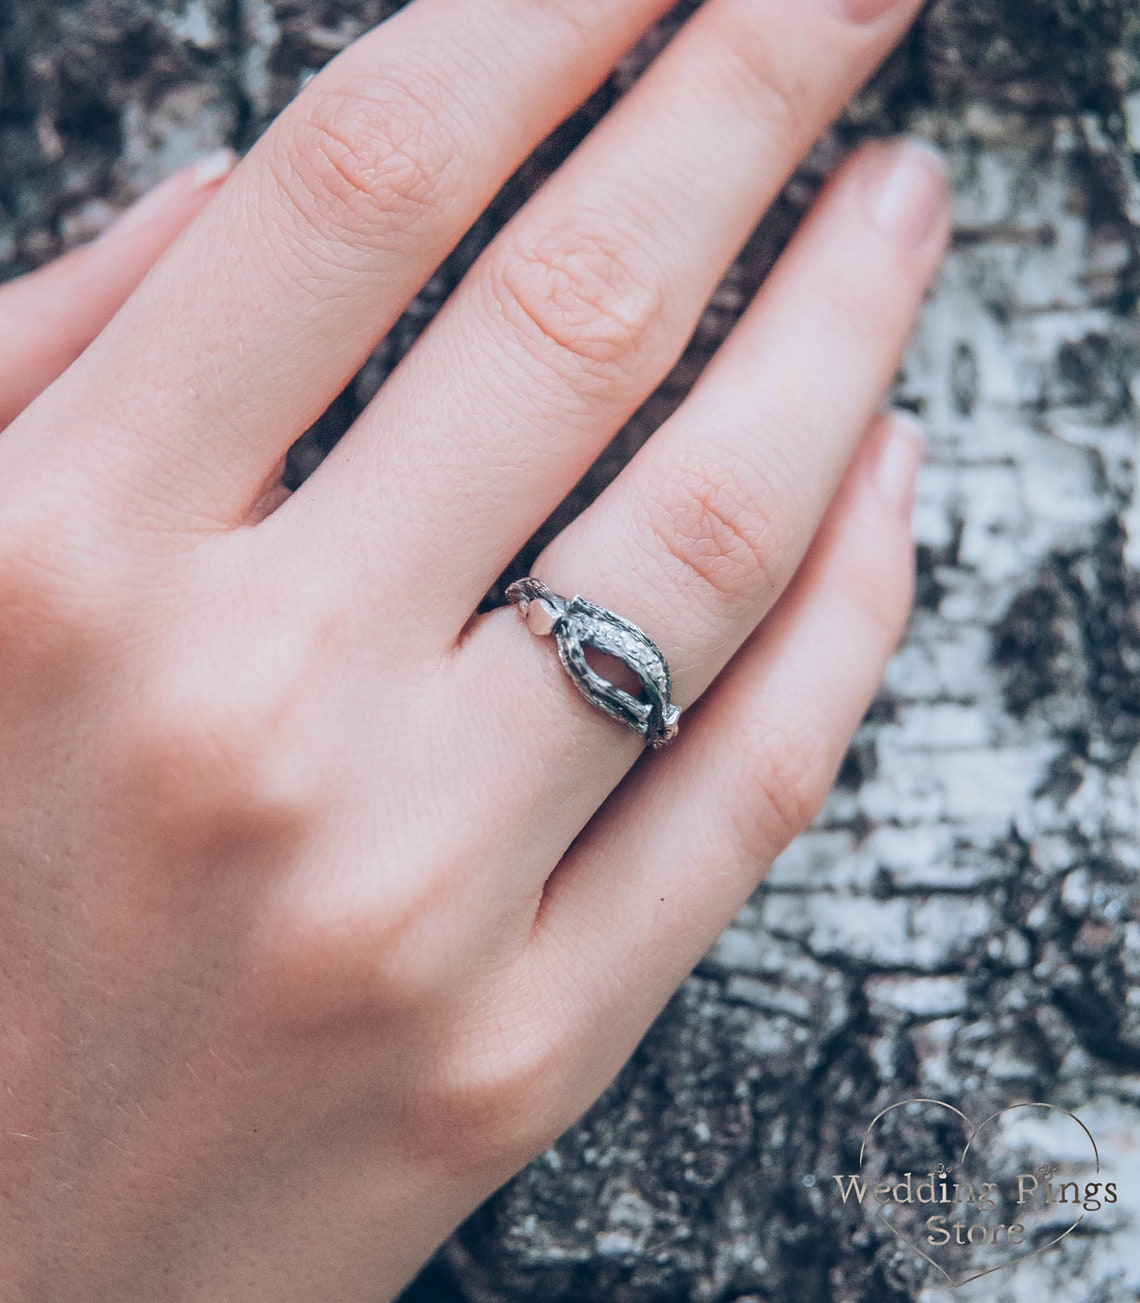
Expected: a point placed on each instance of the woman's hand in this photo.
(324, 904)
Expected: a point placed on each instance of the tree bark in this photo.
(963, 921)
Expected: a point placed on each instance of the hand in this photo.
(325, 903)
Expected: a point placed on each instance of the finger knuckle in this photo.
(755, 70)
(723, 540)
(499, 1100)
(880, 593)
(368, 154)
(50, 613)
(586, 301)
(365, 947)
(858, 315)
(786, 774)
(203, 753)
(378, 938)
(576, 19)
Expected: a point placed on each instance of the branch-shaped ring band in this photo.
(577, 624)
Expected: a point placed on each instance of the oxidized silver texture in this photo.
(577, 624)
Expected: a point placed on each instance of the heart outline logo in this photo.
(975, 1131)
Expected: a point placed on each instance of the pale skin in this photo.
(326, 904)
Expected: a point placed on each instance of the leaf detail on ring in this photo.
(585, 625)
(578, 624)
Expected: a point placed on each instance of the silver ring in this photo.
(577, 624)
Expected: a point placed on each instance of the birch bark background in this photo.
(963, 921)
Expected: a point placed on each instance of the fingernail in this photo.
(212, 168)
(199, 176)
(907, 188)
(899, 461)
(864, 11)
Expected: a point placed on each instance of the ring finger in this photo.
(696, 539)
